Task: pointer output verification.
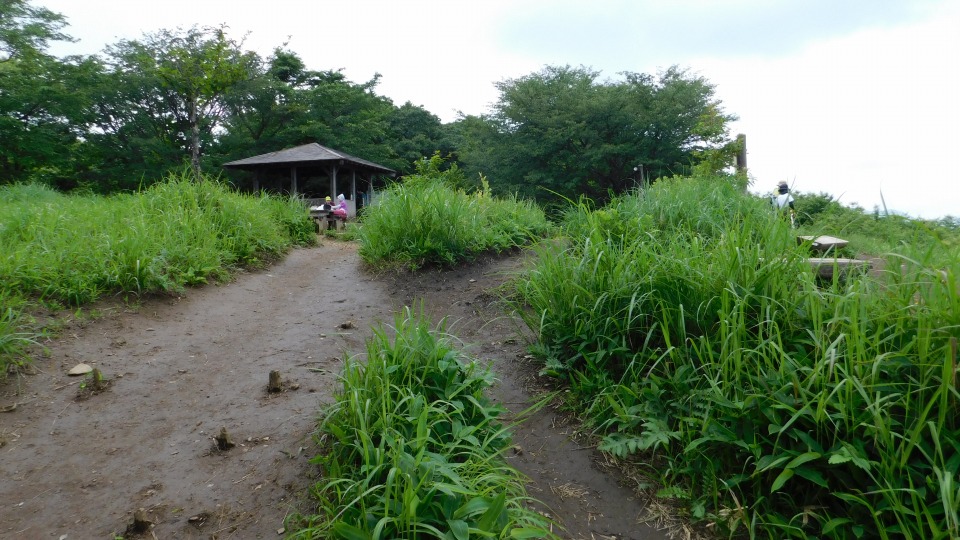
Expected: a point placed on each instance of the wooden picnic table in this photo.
(826, 267)
(823, 242)
(325, 218)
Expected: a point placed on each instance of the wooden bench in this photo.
(827, 267)
(823, 243)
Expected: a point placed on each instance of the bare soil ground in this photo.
(77, 464)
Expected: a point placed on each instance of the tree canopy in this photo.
(565, 130)
(41, 106)
(286, 105)
(162, 97)
(26, 30)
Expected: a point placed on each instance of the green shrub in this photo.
(412, 449)
(425, 221)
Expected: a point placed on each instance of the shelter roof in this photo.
(305, 155)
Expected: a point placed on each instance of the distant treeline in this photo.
(122, 119)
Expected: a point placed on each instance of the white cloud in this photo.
(857, 115)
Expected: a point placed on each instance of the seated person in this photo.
(340, 210)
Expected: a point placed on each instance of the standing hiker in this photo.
(783, 201)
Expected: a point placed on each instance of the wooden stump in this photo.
(224, 442)
(140, 523)
(274, 384)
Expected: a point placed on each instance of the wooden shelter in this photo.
(306, 164)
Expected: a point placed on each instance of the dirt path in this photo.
(183, 368)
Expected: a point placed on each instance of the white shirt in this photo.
(783, 200)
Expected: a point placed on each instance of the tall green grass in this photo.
(876, 232)
(73, 249)
(13, 340)
(426, 221)
(774, 405)
(412, 449)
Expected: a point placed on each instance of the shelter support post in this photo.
(353, 188)
(333, 180)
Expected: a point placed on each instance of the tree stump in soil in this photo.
(140, 523)
(224, 442)
(275, 384)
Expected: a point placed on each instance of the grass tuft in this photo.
(425, 221)
(412, 448)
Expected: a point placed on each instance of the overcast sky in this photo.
(850, 97)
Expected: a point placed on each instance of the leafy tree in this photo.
(42, 98)
(467, 136)
(124, 119)
(199, 67)
(288, 105)
(347, 116)
(677, 119)
(43, 109)
(564, 130)
(416, 133)
(26, 30)
(261, 107)
(163, 99)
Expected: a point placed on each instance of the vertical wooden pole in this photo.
(293, 180)
(353, 190)
(741, 153)
(333, 181)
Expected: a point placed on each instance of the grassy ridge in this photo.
(425, 220)
(689, 327)
(413, 449)
(72, 249)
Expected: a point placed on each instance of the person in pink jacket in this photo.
(340, 210)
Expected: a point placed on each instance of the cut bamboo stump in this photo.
(96, 381)
(224, 442)
(141, 524)
(274, 384)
